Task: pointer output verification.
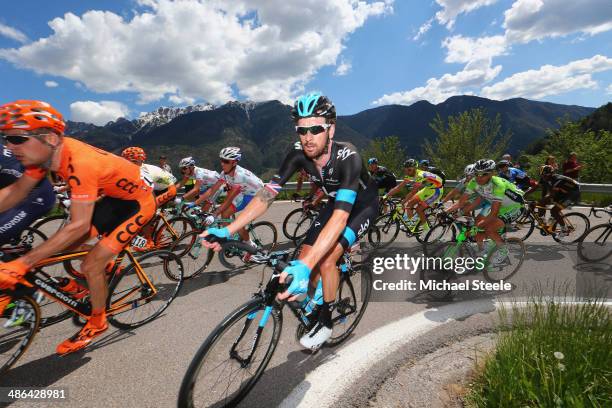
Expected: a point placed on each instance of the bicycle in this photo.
(530, 219)
(133, 292)
(461, 247)
(386, 227)
(297, 223)
(240, 339)
(54, 223)
(594, 246)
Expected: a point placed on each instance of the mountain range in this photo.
(264, 130)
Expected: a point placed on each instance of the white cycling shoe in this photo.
(316, 337)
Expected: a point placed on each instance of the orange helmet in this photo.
(30, 115)
(134, 154)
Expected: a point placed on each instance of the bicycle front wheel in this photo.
(169, 231)
(143, 290)
(291, 222)
(230, 362)
(595, 246)
(384, 231)
(498, 269)
(576, 227)
(19, 322)
(193, 254)
(264, 235)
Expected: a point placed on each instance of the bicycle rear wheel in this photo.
(171, 230)
(495, 272)
(193, 254)
(577, 225)
(522, 228)
(132, 301)
(291, 221)
(229, 363)
(19, 323)
(384, 229)
(596, 244)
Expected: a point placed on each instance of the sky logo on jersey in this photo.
(345, 153)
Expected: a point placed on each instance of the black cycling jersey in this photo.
(565, 183)
(343, 178)
(384, 178)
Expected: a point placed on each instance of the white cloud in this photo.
(529, 20)
(98, 113)
(423, 29)
(12, 33)
(178, 100)
(451, 9)
(465, 49)
(199, 49)
(609, 89)
(343, 68)
(550, 79)
(51, 84)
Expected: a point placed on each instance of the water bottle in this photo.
(209, 220)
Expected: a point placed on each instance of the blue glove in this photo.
(189, 205)
(219, 232)
(301, 274)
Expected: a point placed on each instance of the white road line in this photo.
(323, 386)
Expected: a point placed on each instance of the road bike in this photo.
(594, 245)
(386, 227)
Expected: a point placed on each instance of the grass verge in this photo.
(553, 355)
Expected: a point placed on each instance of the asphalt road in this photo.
(144, 367)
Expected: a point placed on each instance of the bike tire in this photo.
(525, 222)
(194, 255)
(438, 234)
(516, 249)
(125, 285)
(302, 228)
(584, 219)
(164, 237)
(206, 352)
(22, 339)
(264, 234)
(51, 219)
(593, 238)
(288, 229)
(387, 229)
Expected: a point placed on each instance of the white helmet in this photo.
(230, 153)
(484, 165)
(469, 170)
(297, 145)
(187, 162)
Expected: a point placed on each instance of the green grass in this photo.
(554, 355)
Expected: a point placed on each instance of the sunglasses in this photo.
(314, 130)
(482, 173)
(15, 139)
(225, 161)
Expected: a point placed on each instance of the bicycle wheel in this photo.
(386, 229)
(352, 300)
(577, 226)
(132, 301)
(229, 362)
(264, 235)
(302, 228)
(441, 232)
(594, 246)
(170, 230)
(291, 221)
(193, 254)
(50, 225)
(19, 323)
(522, 228)
(504, 269)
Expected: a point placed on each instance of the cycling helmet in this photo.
(230, 153)
(410, 163)
(30, 115)
(469, 170)
(187, 162)
(134, 154)
(424, 163)
(313, 105)
(484, 165)
(297, 145)
(372, 160)
(503, 163)
(546, 170)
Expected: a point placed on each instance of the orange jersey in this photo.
(91, 172)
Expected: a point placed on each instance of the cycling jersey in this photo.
(38, 202)
(565, 183)
(426, 179)
(496, 190)
(343, 178)
(249, 183)
(159, 178)
(516, 176)
(208, 178)
(384, 178)
(91, 173)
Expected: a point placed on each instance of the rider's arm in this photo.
(78, 227)
(460, 204)
(472, 206)
(209, 193)
(194, 191)
(397, 188)
(451, 194)
(495, 206)
(15, 193)
(234, 191)
(300, 181)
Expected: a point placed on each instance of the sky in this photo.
(96, 61)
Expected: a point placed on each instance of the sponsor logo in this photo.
(66, 299)
(363, 228)
(16, 219)
(344, 153)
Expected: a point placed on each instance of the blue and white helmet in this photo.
(313, 105)
(187, 162)
(230, 153)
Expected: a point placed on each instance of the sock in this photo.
(98, 317)
(325, 315)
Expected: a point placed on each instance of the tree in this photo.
(389, 152)
(467, 137)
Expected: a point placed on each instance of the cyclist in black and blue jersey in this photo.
(337, 169)
(38, 202)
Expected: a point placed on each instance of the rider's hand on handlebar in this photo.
(299, 285)
(222, 233)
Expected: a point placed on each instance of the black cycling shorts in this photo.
(362, 215)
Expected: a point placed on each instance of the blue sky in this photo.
(127, 57)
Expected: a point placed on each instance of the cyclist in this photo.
(459, 189)
(338, 170)
(514, 175)
(241, 183)
(201, 180)
(315, 196)
(383, 177)
(37, 203)
(561, 191)
(34, 131)
(426, 190)
(506, 204)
